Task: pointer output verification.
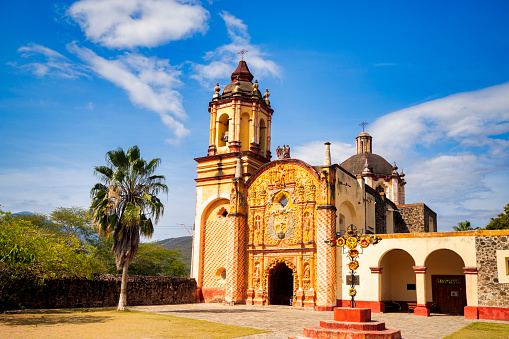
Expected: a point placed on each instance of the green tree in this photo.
(28, 247)
(464, 226)
(124, 202)
(501, 222)
(155, 260)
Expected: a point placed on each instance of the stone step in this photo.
(363, 326)
(329, 333)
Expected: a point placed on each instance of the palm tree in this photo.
(464, 226)
(123, 204)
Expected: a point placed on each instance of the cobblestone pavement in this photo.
(284, 321)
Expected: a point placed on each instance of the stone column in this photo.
(420, 286)
(236, 258)
(471, 310)
(326, 258)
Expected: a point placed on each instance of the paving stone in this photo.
(285, 321)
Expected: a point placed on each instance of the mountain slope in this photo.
(184, 244)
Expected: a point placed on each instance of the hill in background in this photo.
(184, 244)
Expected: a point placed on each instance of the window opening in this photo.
(283, 201)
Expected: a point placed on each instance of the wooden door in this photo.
(449, 293)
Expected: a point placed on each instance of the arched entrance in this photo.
(445, 281)
(398, 287)
(280, 285)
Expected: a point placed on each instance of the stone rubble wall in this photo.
(102, 291)
(490, 291)
(416, 218)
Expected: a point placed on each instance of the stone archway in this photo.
(280, 285)
(271, 271)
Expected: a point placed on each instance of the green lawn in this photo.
(482, 330)
(108, 323)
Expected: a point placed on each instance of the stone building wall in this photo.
(380, 217)
(102, 291)
(490, 291)
(416, 218)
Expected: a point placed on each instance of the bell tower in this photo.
(240, 117)
(239, 144)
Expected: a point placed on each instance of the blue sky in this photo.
(80, 78)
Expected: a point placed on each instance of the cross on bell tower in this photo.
(242, 52)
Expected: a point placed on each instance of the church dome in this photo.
(242, 78)
(377, 164)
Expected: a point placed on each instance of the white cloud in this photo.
(133, 23)
(150, 83)
(224, 59)
(313, 152)
(470, 119)
(48, 63)
(454, 150)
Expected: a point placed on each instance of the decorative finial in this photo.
(237, 85)
(255, 86)
(216, 91)
(367, 170)
(363, 124)
(266, 96)
(326, 155)
(242, 52)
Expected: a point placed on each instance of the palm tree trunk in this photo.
(123, 289)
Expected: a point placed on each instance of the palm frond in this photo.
(152, 165)
(133, 153)
(104, 172)
(118, 158)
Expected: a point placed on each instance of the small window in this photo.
(283, 201)
(410, 287)
(221, 275)
(380, 189)
(222, 212)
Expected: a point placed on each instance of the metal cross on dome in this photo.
(242, 52)
(363, 124)
(351, 240)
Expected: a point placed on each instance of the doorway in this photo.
(281, 285)
(449, 293)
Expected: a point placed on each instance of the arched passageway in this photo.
(445, 282)
(398, 286)
(280, 285)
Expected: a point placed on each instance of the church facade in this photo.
(261, 225)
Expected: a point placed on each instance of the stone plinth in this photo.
(350, 323)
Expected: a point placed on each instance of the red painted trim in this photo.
(376, 270)
(471, 312)
(470, 270)
(419, 269)
(493, 313)
(213, 294)
(422, 310)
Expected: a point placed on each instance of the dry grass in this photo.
(108, 323)
(482, 330)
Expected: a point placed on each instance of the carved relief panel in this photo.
(282, 206)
